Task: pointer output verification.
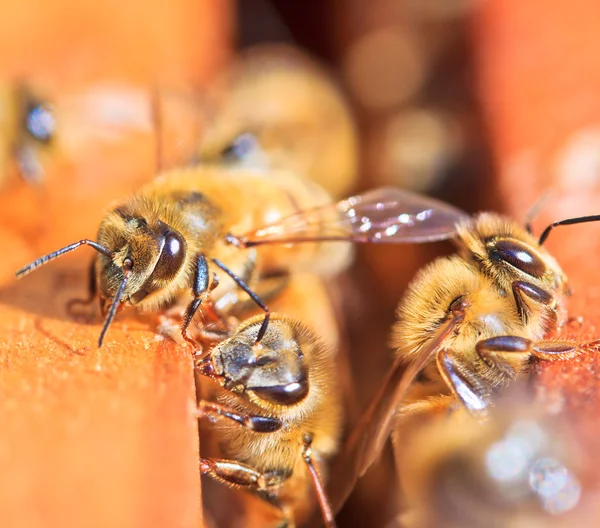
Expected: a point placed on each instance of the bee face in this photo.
(506, 253)
(273, 370)
(154, 254)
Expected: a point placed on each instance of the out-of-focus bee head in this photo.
(278, 109)
(273, 370)
(152, 251)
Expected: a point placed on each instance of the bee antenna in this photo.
(567, 221)
(51, 256)
(113, 307)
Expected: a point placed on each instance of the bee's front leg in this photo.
(199, 290)
(464, 382)
(253, 422)
(508, 355)
(236, 474)
(512, 354)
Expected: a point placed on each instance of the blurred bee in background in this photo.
(28, 127)
(521, 468)
(276, 108)
(277, 413)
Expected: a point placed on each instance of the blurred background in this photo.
(485, 104)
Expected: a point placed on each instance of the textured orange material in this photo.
(539, 76)
(91, 437)
(95, 438)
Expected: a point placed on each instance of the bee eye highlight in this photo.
(518, 255)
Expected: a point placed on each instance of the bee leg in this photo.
(92, 293)
(328, 515)
(238, 475)
(200, 287)
(253, 422)
(564, 349)
(252, 295)
(511, 354)
(463, 382)
(508, 355)
(267, 289)
(526, 292)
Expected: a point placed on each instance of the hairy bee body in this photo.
(200, 207)
(485, 284)
(319, 413)
(468, 326)
(288, 379)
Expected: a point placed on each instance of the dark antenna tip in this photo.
(567, 221)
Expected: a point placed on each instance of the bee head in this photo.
(273, 370)
(507, 253)
(152, 251)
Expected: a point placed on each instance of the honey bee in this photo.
(277, 414)
(469, 324)
(174, 234)
(276, 108)
(519, 468)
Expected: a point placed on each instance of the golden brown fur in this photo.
(319, 414)
(204, 204)
(486, 286)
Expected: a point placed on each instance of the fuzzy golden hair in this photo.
(427, 302)
(318, 414)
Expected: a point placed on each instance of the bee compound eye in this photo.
(171, 257)
(288, 394)
(518, 255)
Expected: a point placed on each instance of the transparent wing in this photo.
(367, 440)
(387, 214)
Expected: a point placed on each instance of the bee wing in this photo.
(375, 426)
(386, 214)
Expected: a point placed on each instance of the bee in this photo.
(519, 468)
(175, 234)
(277, 413)
(468, 325)
(276, 108)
